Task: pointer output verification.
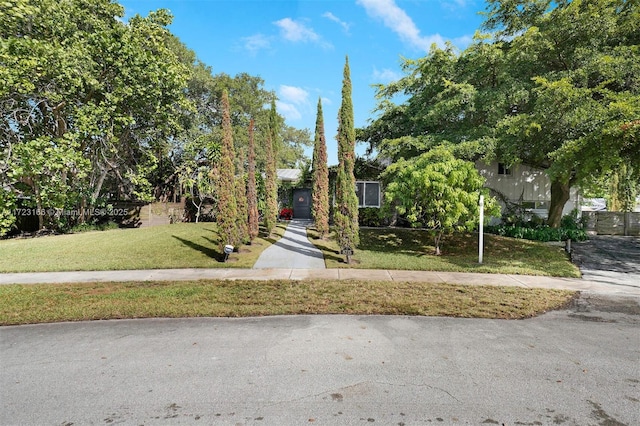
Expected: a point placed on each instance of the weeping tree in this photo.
(320, 178)
(439, 192)
(346, 210)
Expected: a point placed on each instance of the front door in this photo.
(302, 203)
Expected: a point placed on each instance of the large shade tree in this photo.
(555, 86)
(80, 96)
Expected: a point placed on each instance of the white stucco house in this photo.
(526, 186)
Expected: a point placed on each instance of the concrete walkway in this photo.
(292, 251)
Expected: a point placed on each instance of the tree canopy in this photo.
(556, 85)
(96, 109)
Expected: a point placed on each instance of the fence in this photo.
(137, 214)
(612, 223)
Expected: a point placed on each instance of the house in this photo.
(525, 186)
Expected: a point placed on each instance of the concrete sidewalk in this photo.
(336, 274)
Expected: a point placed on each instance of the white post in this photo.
(481, 242)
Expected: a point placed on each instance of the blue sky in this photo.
(298, 47)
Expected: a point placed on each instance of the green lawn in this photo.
(180, 245)
(30, 304)
(190, 245)
(410, 249)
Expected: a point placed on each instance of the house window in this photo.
(504, 170)
(535, 205)
(368, 194)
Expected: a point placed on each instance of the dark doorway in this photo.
(302, 203)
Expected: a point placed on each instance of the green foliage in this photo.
(271, 185)
(542, 233)
(372, 217)
(555, 87)
(438, 192)
(242, 221)
(227, 204)
(115, 109)
(252, 188)
(87, 98)
(346, 209)
(320, 177)
(88, 227)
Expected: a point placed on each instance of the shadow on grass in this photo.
(207, 251)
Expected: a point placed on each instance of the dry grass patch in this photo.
(29, 304)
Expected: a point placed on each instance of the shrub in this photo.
(570, 228)
(370, 216)
(286, 213)
(86, 227)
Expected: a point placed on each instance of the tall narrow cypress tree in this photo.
(252, 189)
(320, 177)
(346, 211)
(270, 184)
(242, 220)
(227, 206)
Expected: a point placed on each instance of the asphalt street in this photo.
(578, 366)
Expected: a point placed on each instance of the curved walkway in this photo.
(292, 251)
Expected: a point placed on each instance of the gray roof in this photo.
(288, 175)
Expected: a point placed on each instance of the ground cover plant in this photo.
(412, 249)
(180, 245)
(44, 303)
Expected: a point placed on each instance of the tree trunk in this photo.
(437, 240)
(559, 196)
(39, 209)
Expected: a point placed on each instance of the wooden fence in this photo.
(612, 223)
(138, 214)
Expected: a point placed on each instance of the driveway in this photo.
(609, 259)
(575, 367)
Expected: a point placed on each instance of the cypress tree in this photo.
(242, 221)
(271, 184)
(252, 190)
(346, 211)
(320, 177)
(227, 206)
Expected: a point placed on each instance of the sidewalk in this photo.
(335, 274)
(293, 257)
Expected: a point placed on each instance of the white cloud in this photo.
(463, 42)
(291, 100)
(399, 22)
(326, 101)
(289, 111)
(256, 42)
(295, 95)
(297, 32)
(345, 26)
(385, 75)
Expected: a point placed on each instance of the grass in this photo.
(31, 304)
(409, 249)
(180, 245)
